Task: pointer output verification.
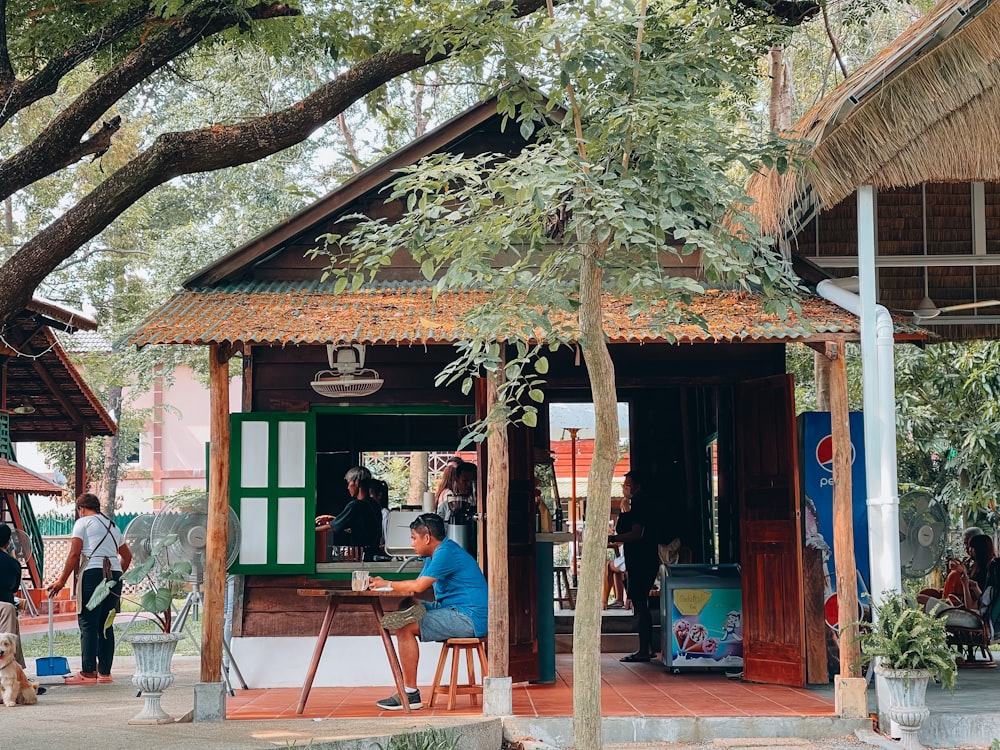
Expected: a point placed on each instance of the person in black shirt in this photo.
(361, 517)
(10, 583)
(635, 531)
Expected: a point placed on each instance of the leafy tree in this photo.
(641, 165)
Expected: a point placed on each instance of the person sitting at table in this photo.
(360, 518)
(459, 609)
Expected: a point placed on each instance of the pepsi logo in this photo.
(824, 453)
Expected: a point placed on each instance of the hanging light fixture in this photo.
(24, 408)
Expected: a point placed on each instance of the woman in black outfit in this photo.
(635, 531)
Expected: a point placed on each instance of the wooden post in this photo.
(497, 492)
(843, 516)
(214, 587)
(80, 467)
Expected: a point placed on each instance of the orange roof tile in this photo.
(297, 313)
(16, 478)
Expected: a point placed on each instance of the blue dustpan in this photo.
(51, 664)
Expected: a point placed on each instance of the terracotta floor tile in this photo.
(627, 690)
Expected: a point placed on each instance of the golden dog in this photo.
(14, 683)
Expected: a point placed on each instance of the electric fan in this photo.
(137, 537)
(922, 526)
(347, 377)
(186, 518)
(21, 550)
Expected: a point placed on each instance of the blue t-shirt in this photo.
(458, 583)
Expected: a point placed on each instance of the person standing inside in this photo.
(99, 540)
(459, 609)
(10, 584)
(635, 532)
(360, 517)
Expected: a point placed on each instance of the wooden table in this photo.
(334, 598)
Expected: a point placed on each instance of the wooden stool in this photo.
(473, 689)
(563, 592)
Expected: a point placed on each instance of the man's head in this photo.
(426, 533)
(89, 501)
(4, 535)
(632, 484)
(357, 478)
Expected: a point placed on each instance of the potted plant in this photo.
(159, 582)
(911, 647)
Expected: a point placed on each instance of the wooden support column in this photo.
(497, 492)
(843, 516)
(214, 587)
(80, 467)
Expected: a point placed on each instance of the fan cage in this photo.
(330, 384)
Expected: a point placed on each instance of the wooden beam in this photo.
(843, 522)
(217, 527)
(80, 467)
(57, 393)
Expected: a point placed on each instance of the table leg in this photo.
(390, 652)
(324, 632)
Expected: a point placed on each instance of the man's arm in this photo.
(413, 586)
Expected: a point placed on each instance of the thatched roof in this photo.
(925, 109)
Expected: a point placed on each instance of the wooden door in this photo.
(770, 532)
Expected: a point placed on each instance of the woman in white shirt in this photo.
(100, 540)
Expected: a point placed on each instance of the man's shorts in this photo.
(441, 623)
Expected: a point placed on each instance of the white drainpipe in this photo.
(878, 380)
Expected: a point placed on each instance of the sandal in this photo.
(104, 678)
(636, 657)
(79, 679)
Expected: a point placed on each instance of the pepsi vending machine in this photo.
(816, 457)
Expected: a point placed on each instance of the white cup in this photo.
(359, 580)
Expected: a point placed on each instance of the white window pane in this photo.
(253, 454)
(291, 529)
(292, 454)
(253, 531)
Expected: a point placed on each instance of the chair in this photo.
(472, 688)
(968, 631)
(563, 592)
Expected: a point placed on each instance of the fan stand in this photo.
(29, 602)
(193, 601)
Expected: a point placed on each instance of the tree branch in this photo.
(21, 94)
(205, 150)
(54, 146)
(6, 71)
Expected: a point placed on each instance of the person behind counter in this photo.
(635, 530)
(456, 504)
(459, 609)
(360, 518)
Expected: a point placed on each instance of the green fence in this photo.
(61, 524)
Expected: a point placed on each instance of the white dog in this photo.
(14, 683)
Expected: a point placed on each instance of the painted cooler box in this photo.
(701, 612)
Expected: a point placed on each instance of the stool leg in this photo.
(445, 648)
(470, 672)
(453, 687)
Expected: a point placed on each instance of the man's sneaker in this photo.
(400, 618)
(392, 703)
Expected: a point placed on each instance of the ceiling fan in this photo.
(926, 309)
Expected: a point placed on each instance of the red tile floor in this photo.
(640, 690)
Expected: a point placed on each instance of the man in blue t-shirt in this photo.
(458, 609)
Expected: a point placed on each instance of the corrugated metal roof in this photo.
(309, 313)
(16, 478)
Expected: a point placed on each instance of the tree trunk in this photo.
(821, 381)
(418, 478)
(497, 493)
(109, 488)
(587, 623)
(781, 93)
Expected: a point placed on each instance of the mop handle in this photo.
(52, 650)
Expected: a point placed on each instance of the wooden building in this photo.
(722, 387)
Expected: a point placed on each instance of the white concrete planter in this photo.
(153, 654)
(907, 702)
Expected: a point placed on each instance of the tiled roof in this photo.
(16, 478)
(309, 313)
